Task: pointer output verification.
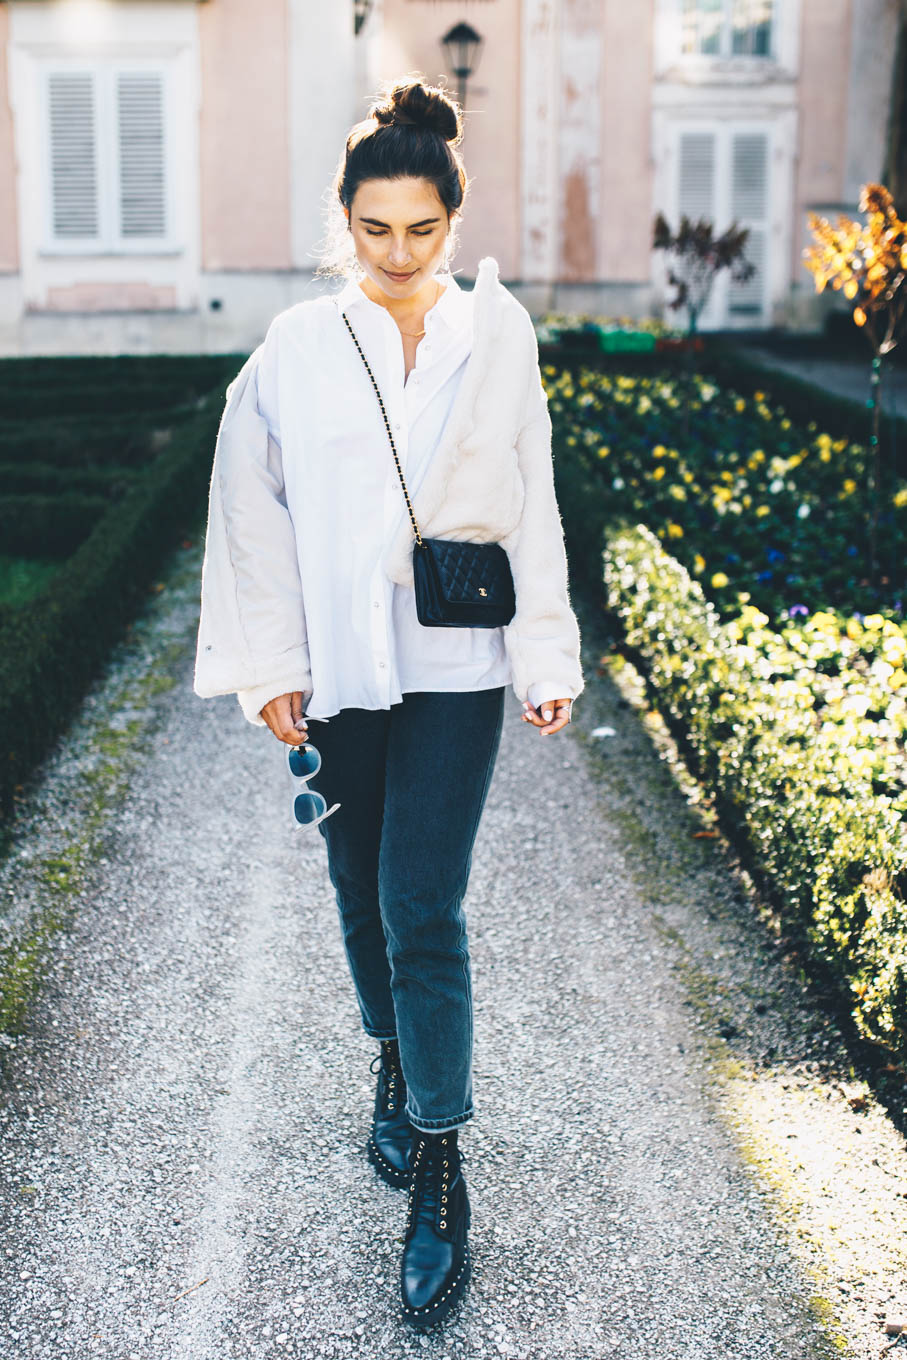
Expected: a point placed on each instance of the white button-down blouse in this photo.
(366, 646)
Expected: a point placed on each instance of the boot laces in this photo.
(389, 1063)
(435, 1163)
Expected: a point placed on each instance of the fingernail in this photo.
(547, 715)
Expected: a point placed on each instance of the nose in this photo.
(399, 255)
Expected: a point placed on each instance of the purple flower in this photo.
(797, 609)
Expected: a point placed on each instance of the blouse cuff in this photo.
(544, 690)
(253, 700)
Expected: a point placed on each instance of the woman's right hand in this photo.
(284, 717)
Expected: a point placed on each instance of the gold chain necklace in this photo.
(416, 334)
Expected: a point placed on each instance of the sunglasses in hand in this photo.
(308, 806)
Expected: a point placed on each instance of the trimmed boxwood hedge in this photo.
(20, 478)
(50, 652)
(35, 525)
(830, 851)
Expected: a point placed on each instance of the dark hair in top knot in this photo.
(412, 103)
(410, 132)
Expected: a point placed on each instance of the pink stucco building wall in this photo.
(625, 139)
(410, 41)
(9, 231)
(824, 67)
(244, 135)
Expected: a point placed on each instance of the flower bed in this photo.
(734, 547)
(805, 758)
(747, 499)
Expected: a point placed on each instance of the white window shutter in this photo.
(140, 113)
(749, 207)
(73, 155)
(696, 186)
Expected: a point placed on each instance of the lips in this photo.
(399, 278)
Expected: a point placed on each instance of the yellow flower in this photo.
(699, 563)
(658, 473)
(825, 455)
(659, 451)
(839, 445)
(758, 396)
(849, 486)
(687, 476)
(675, 530)
(757, 456)
(873, 621)
(604, 451)
(762, 510)
(739, 404)
(785, 424)
(719, 579)
(900, 497)
(897, 678)
(853, 629)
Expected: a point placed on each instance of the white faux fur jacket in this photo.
(490, 480)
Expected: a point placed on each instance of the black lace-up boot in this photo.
(389, 1143)
(435, 1268)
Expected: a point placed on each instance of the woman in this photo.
(308, 610)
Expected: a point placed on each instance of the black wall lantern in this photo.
(360, 13)
(462, 46)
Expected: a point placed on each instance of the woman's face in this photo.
(400, 231)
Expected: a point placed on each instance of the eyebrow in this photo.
(426, 221)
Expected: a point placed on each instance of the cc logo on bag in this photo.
(482, 590)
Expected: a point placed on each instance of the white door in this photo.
(723, 174)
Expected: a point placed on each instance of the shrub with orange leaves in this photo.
(867, 262)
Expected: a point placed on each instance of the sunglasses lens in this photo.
(304, 760)
(307, 807)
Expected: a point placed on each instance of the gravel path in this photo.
(183, 1118)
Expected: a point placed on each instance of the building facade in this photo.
(165, 165)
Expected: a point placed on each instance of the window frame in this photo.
(105, 73)
(725, 56)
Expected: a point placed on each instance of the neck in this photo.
(403, 310)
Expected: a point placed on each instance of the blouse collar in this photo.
(452, 308)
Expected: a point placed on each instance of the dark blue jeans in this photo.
(413, 781)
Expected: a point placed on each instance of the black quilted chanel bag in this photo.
(457, 584)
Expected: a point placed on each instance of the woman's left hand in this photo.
(554, 714)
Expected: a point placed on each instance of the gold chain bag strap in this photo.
(457, 584)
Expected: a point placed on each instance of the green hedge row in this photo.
(49, 479)
(830, 851)
(99, 387)
(51, 652)
(38, 525)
